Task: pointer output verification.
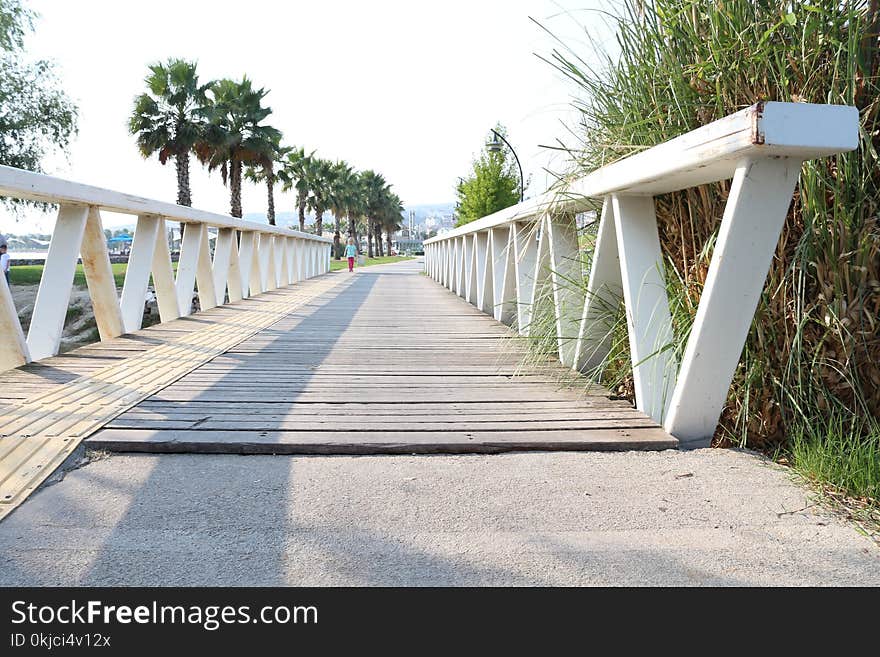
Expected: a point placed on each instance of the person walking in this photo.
(5, 263)
(350, 253)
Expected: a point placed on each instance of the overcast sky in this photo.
(407, 88)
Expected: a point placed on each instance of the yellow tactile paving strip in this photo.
(40, 432)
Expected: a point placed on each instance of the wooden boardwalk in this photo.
(380, 361)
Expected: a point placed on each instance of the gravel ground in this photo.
(706, 517)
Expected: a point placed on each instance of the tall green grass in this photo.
(809, 377)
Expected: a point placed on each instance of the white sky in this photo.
(408, 88)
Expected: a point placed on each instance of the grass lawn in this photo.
(30, 274)
(336, 265)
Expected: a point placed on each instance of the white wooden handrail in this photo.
(497, 264)
(249, 259)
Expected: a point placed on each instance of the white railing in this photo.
(497, 264)
(249, 259)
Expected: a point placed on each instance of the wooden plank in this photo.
(388, 442)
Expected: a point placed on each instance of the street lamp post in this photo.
(494, 146)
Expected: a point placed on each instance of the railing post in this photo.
(223, 248)
(53, 295)
(470, 291)
(565, 274)
(503, 273)
(753, 218)
(163, 276)
(137, 274)
(267, 262)
(99, 277)
(236, 275)
(13, 346)
(247, 263)
(604, 292)
(190, 247)
(205, 272)
(525, 267)
(484, 297)
(647, 306)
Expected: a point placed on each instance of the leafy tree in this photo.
(36, 117)
(292, 175)
(234, 134)
(167, 119)
(492, 185)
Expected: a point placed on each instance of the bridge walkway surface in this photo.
(386, 364)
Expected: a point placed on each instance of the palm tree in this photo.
(392, 218)
(343, 188)
(234, 135)
(374, 188)
(167, 118)
(292, 175)
(357, 206)
(319, 175)
(264, 172)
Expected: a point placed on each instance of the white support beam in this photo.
(540, 275)
(464, 258)
(503, 273)
(235, 277)
(190, 245)
(455, 267)
(205, 273)
(525, 266)
(99, 277)
(223, 248)
(470, 293)
(604, 293)
(267, 262)
(484, 299)
(647, 306)
(137, 274)
(163, 277)
(753, 218)
(247, 262)
(566, 278)
(53, 295)
(13, 346)
(299, 270)
(255, 273)
(285, 269)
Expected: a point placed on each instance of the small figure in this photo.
(5, 263)
(351, 253)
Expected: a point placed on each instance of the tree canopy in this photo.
(36, 116)
(492, 185)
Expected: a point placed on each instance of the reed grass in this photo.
(808, 382)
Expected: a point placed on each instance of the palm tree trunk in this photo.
(369, 238)
(184, 193)
(302, 215)
(377, 234)
(270, 187)
(319, 221)
(235, 187)
(388, 234)
(337, 250)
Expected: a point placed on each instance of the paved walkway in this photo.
(366, 370)
(386, 361)
(703, 517)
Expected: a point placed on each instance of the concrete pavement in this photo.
(707, 517)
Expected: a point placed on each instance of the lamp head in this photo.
(494, 144)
